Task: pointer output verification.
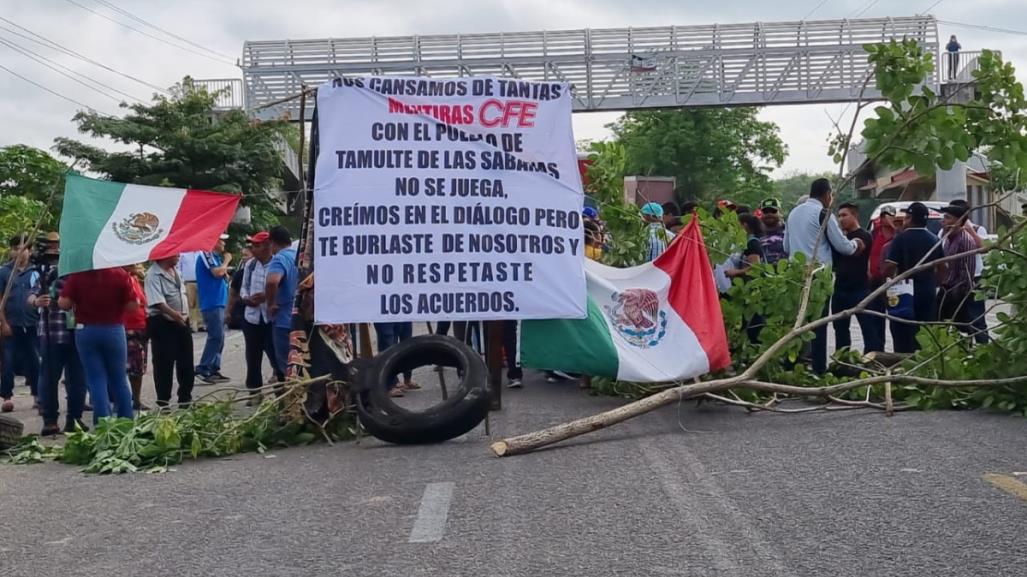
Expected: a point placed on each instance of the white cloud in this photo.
(34, 117)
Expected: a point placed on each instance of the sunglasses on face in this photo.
(769, 211)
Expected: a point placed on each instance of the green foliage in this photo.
(180, 141)
(30, 173)
(797, 184)
(623, 221)
(156, 440)
(19, 214)
(919, 128)
(712, 152)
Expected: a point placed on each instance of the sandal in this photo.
(411, 386)
(397, 391)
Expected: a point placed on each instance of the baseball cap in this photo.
(262, 236)
(918, 210)
(652, 209)
(726, 204)
(589, 212)
(889, 210)
(955, 210)
(770, 203)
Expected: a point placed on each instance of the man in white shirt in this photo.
(802, 235)
(975, 309)
(187, 269)
(257, 327)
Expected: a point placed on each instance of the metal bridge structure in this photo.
(615, 69)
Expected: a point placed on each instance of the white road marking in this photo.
(431, 516)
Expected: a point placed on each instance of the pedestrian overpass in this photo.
(764, 63)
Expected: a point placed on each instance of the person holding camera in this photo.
(18, 321)
(56, 330)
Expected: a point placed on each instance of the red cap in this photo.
(261, 236)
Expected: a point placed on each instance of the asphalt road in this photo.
(701, 491)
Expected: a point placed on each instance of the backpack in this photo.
(774, 246)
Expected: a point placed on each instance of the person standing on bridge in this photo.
(952, 51)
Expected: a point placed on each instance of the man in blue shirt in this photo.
(280, 290)
(212, 289)
(18, 321)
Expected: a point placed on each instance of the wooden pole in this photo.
(365, 342)
(494, 361)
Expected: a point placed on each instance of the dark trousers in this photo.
(819, 346)
(976, 312)
(925, 309)
(513, 370)
(390, 334)
(58, 358)
(22, 347)
(172, 346)
(260, 342)
(879, 324)
(844, 299)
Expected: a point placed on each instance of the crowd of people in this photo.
(95, 331)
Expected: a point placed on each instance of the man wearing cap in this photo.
(957, 284)
(18, 321)
(911, 247)
(212, 290)
(884, 233)
(802, 235)
(257, 318)
(773, 239)
(659, 236)
(974, 309)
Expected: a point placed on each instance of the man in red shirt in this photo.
(100, 299)
(884, 232)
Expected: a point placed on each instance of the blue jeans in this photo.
(210, 360)
(23, 346)
(845, 299)
(104, 353)
(280, 338)
(390, 334)
(58, 358)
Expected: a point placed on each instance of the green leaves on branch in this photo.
(922, 129)
(155, 441)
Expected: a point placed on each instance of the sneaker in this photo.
(564, 376)
(514, 384)
(206, 379)
(70, 426)
(50, 430)
(140, 407)
(255, 400)
(7, 406)
(219, 378)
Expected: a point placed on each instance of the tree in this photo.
(915, 127)
(790, 188)
(180, 141)
(29, 172)
(712, 152)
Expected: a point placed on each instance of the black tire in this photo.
(466, 407)
(11, 430)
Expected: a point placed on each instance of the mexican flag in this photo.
(655, 322)
(108, 224)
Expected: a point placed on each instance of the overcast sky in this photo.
(30, 115)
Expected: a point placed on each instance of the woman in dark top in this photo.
(752, 255)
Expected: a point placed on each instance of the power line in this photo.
(815, 8)
(46, 42)
(48, 62)
(144, 33)
(931, 7)
(56, 69)
(984, 27)
(57, 94)
(128, 14)
(864, 10)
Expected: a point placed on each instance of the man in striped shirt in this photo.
(958, 281)
(659, 236)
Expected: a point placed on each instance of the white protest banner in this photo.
(446, 199)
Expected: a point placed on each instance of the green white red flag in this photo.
(108, 224)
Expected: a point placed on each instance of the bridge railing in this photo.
(228, 92)
(609, 69)
(960, 66)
